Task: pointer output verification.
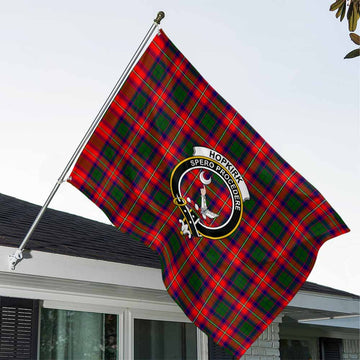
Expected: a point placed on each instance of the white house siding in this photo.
(74, 283)
(267, 346)
(351, 350)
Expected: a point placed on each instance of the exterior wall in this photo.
(351, 350)
(267, 346)
(72, 283)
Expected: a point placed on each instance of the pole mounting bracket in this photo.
(15, 258)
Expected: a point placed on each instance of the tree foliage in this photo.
(350, 8)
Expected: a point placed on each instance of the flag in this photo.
(237, 229)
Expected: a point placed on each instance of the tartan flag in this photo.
(236, 228)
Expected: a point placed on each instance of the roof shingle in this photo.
(62, 233)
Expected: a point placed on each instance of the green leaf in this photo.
(341, 12)
(350, 11)
(355, 38)
(353, 16)
(352, 54)
(336, 4)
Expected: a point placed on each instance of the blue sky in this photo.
(279, 63)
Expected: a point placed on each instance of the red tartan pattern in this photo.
(231, 288)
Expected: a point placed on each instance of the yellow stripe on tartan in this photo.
(244, 134)
(287, 218)
(112, 207)
(236, 255)
(227, 292)
(210, 101)
(119, 180)
(135, 137)
(273, 264)
(238, 129)
(242, 245)
(185, 261)
(167, 151)
(173, 211)
(174, 111)
(230, 123)
(267, 241)
(209, 320)
(160, 230)
(253, 159)
(283, 214)
(143, 129)
(135, 160)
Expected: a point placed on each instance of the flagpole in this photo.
(16, 257)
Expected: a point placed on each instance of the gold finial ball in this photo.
(159, 17)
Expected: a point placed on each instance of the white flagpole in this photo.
(16, 257)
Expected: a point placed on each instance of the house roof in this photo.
(67, 234)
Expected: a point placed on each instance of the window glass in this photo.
(296, 350)
(74, 335)
(164, 340)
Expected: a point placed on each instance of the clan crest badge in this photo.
(209, 191)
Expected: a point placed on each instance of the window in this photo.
(73, 335)
(330, 349)
(124, 335)
(164, 340)
(296, 349)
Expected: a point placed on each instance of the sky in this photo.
(279, 63)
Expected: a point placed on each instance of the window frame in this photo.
(131, 314)
(126, 318)
(62, 305)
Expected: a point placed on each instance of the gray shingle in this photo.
(62, 233)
